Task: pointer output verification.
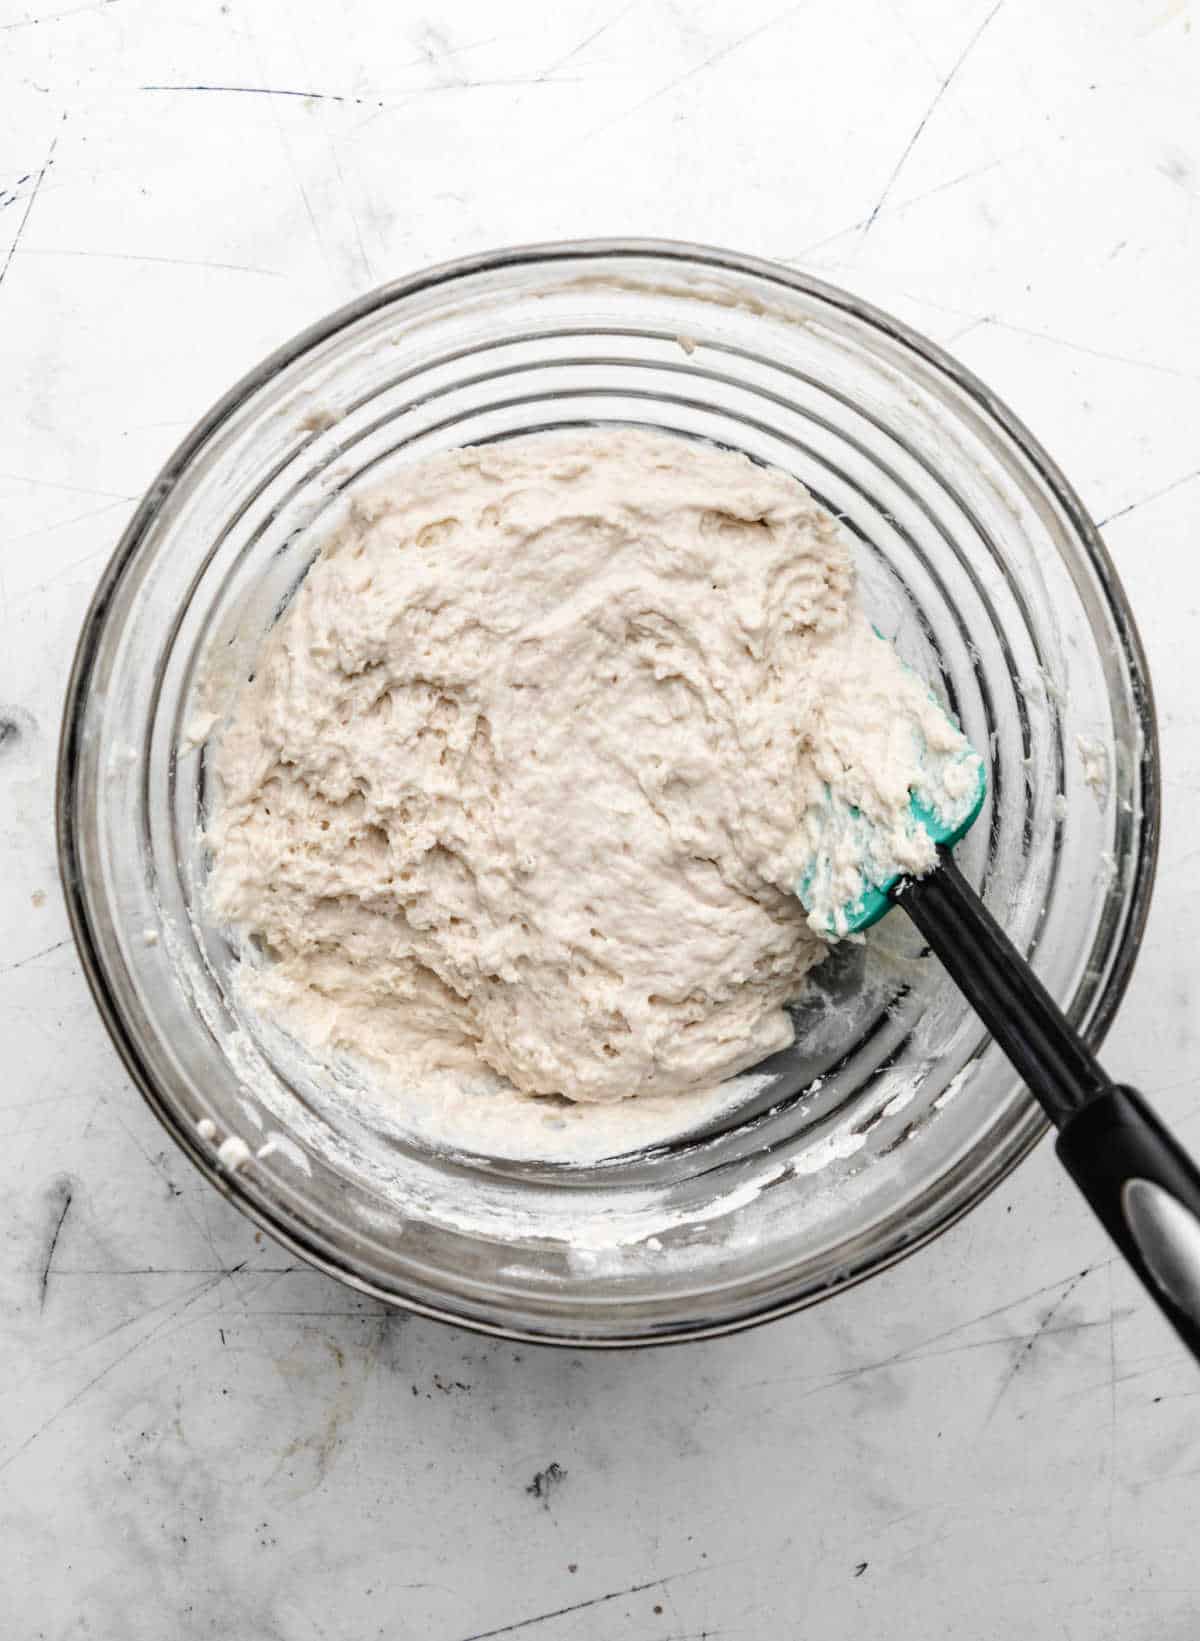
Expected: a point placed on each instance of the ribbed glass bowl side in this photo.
(893, 1114)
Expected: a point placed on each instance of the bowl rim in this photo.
(291, 1234)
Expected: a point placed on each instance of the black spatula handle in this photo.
(1142, 1184)
(1008, 997)
(1146, 1191)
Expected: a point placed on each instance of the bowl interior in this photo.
(893, 1113)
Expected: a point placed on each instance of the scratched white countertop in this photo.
(198, 1438)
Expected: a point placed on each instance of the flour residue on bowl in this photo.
(470, 1110)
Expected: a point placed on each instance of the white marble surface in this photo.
(199, 1439)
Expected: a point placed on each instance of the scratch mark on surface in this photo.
(79, 1395)
(1022, 1355)
(325, 1313)
(277, 1274)
(928, 114)
(998, 1339)
(904, 205)
(70, 489)
(703, 67)
(697, 1635)
(191, 1270)
(1155, 495)
(1093, 353)
(312, 215)
(918, 1355)
(39, 1102)
(166, 261)
(561, 62)
(92, 1115)
(236, 1270)
(33, 194)
(56, 16)
(487, 85)
(281, 131)
(345, 191)
(204, 1225)
(271, 91)
(580, 1606)
(67, 1196)
(201, 1223)
(939, 307)
(60, 575)
(985, 1316)
(453, 51)
(141, 1315)
(33, 956)
(1045, 336)
(965, 330)
(1168, 1477)
(362, 102)
(921, 1351)
(63, 524)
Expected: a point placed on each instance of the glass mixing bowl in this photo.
(894, 1113)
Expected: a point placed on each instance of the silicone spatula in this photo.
(1141, 1183)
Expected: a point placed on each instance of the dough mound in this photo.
(529, 766)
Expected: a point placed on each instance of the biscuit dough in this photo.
(530, 766)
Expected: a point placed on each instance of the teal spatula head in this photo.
(944, 803)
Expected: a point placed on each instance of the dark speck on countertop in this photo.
(545, 1482)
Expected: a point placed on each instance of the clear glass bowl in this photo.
(894, 1114)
